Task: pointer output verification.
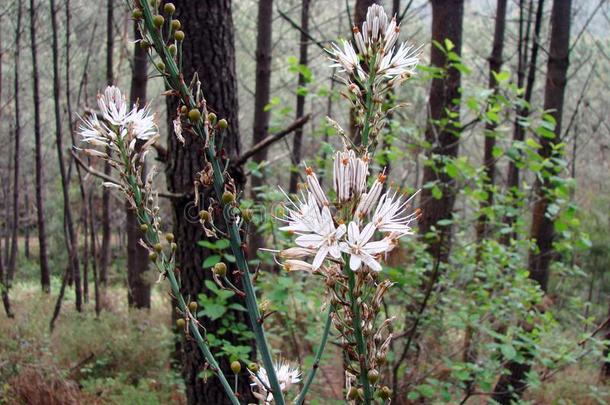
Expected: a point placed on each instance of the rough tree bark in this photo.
(512, 385)
(105, 249)
(12, 260)
(209, 50)
(45, 275)
(138, 288)
(300, 108)
(444, 100)
(261, 99)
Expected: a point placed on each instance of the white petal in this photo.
(355, 262)
(371, 262)
(310, 241)
(353, 233)
(320, 256)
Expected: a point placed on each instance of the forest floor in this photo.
(124, 357)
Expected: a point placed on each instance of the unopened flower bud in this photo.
(158, 247)
(169, 8)
(212, 117)
(136, 14)
(223, 124)
(180, 323)
(228, 197)
(172, 49)
(179, 35)
(176, 25)
(220, 269)
(385, 392)
(158, 21)
(143, 227)
(253, 367)
(236, 367)
(194, 115)
(373, 376)
(192, 306)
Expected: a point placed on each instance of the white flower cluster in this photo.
(375, 53)
(320, 226)
(286, 375)
(118, 121)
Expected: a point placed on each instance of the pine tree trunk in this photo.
(300, 108)
(208, 50)
(105, 250)
(512, 385)
(12, 261)
(557, 67)
(70, 234)
(45, 275)
(137, 256)
(261, 99)
(447, 18)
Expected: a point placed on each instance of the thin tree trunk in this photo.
(511, 386)
(12, 261)
(6, 302)
(96, 280)
(300, 107)
(444, 98)
(522, 113)
(26, 227)
(137, 256)
(105, 250)
(45, 275)
(489, 162)
(209, 50)
(554, 92)
(261, 100)
(70, 235)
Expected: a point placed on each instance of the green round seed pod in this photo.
(158, 248)
(169, 237)
(158, 21)
(223, 124)
(144, 44)
(352, 394)
(169, 8)
(228, 197)
(205, 215)
(220, 269)
(212, 118)
(373, 376)
(192, 306)
(161, 66)
(173, 246)
(176, 25)
(179, 35)
(152, 256)
(172, 49)
(180, 323)
(253, 367)
(236, 367)
(183, 110)
(137, 14)
(143, 227)
(385, 392)
(194, 115)
(247, 214)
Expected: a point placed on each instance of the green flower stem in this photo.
(360, 343)
(168, 269)
(174, 79)
(366, 130)
(316, 361)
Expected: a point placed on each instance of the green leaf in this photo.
(451, 170)
(508, 351)
(448, 44)
(210, 261)
(532, 143)
(437, 193)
